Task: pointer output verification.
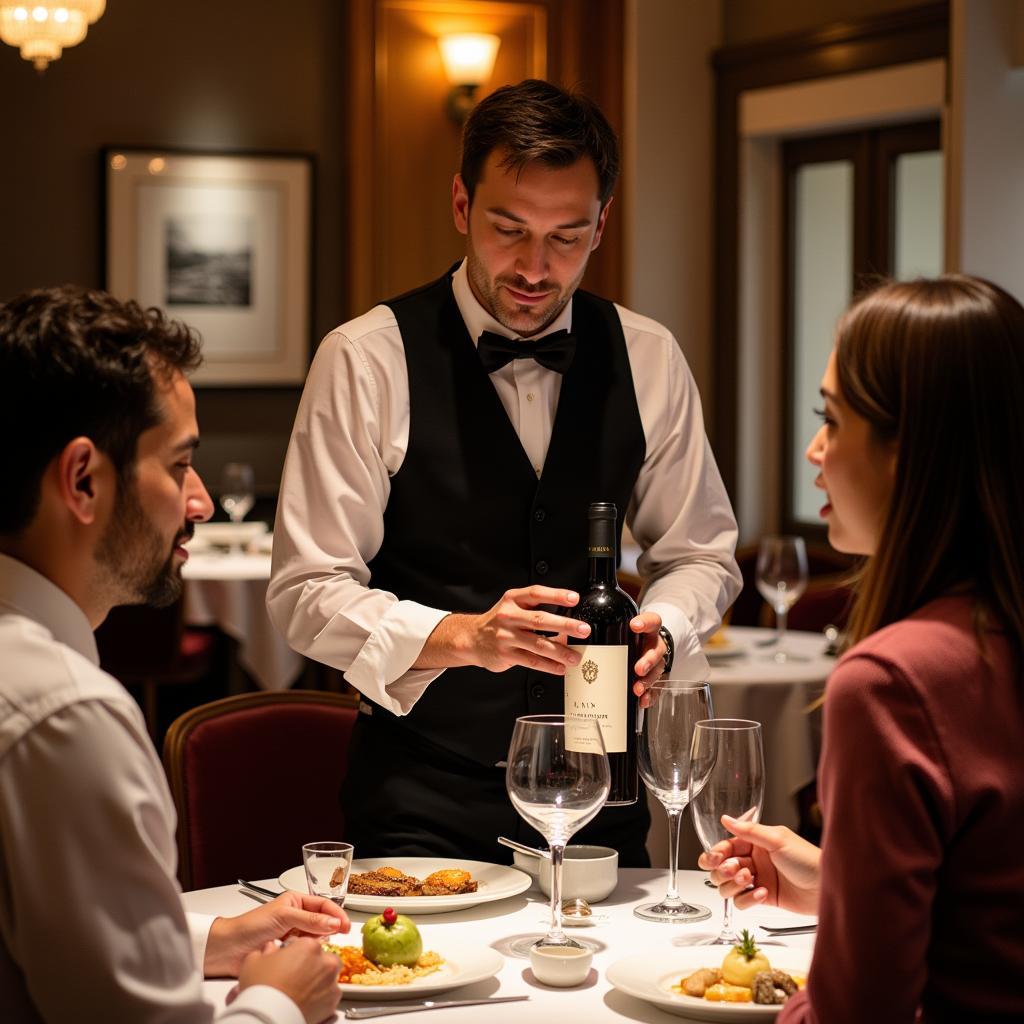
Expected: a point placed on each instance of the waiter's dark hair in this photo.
(79, 363)
(536, 120)
(936, 367)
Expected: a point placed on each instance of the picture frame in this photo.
(221, 241)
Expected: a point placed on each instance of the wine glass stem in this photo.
(675, 821)
(555, 933)
(728, 935)
(780, 626)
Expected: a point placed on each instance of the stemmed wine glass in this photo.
(781, 579)
(237, 490)
(726, 777)
(666, 735)
(558, 779)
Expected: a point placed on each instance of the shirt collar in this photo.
(27, 592)
(478, 320)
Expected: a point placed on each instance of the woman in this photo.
(919, 885)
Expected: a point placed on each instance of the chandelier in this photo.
(41, 29)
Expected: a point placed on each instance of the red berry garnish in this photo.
(389, 916)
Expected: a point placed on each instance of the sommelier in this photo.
(432, 521)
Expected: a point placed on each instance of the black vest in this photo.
(468, 518)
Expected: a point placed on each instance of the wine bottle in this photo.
(601, 685)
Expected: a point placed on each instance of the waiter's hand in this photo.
(651, 662)
(507, 634)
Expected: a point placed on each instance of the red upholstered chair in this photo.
(150, 648)
(253, 778)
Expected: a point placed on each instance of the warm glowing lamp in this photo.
(42, 29)
(468, 62)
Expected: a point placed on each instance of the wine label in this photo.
(596, 688)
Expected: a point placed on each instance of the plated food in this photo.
(390, 881)
(745, 976)
(658, 978)
(492, 881)
(391, 953)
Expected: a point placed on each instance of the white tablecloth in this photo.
(497, 924)
(230, 591)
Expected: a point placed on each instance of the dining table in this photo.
(617, 934)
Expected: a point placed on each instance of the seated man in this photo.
(99, 498)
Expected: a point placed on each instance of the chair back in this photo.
(255, 776)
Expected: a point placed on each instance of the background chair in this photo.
(150, 648)
(255, 776)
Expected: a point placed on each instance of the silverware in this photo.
(367, 1012)
(530, 851)
(799, 929)
(770, 641)
(258, 888)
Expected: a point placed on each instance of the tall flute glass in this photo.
(666, 735)
(726, 777)
(557, 779)
(781, 580)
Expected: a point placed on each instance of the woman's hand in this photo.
(301, 970)
(765, 865)
(231, 939)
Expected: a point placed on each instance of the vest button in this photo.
(541, 568)
(540, 515)
(537, 691)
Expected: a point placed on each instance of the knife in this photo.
(259, 888)
(367, 1012)
(799, 929)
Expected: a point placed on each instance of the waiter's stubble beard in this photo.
(522, 321)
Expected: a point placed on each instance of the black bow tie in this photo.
(555, 350)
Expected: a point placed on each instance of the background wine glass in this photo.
(726, 777)
(781, 579)
(557, 779)
(237, 490)
(665, 742)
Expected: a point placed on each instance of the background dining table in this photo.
(618, 933)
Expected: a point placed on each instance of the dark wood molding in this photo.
(919, 33)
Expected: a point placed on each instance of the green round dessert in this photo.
(390, 939)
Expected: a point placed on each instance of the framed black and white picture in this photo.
(223, 243)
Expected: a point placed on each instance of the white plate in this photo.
(650, 976)
(209, 535)
(494, 882)
(462, 965)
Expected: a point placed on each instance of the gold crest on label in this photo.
(589, 670)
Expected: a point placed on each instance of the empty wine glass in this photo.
(726, 777)
(781, 579)
(557, 779)
(663, 754)
(237, 490)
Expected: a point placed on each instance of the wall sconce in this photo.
(468, 62)
(42, 29)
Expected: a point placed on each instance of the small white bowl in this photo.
(560, 966)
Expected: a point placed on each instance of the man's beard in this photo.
(138, 567)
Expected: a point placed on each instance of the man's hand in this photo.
(765, 865)
(508, 634)
(301, 970)
(231, 939)
(651, 662)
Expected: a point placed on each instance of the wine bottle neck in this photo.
(601, 545)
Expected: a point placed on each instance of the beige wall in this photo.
(230, 75)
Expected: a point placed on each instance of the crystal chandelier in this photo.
(41, 29)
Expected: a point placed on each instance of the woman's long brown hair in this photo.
(937, 366)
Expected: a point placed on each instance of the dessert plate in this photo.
(494, 882)
(462, 965)
(650, 976)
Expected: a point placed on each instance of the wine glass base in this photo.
(784, 657)
(667, 913)
(521, 947)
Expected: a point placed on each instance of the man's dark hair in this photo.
(536, 120)
(75, 362)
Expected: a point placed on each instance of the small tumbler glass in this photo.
(327, 869)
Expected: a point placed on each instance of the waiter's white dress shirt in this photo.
(91, 921)
(351, 434)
